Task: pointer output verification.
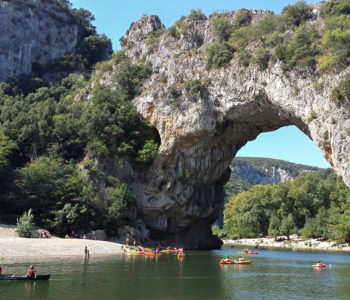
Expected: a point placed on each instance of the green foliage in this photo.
(315, 204)
(174, 32)
(221, 27)
(341, 93)
(153, 37)
(94, 48)
(218, 55)
(335, 8)
(195, 87)
(301, 50)
(262, 57)
(131, 77)
(298, 13)
(119, 56)
(120, 203)
(25, 224)
(197, 14)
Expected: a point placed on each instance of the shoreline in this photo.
(13, 247)
(293, 244)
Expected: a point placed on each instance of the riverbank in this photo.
(13, 246)
(297, 244)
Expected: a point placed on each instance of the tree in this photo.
(25, 224)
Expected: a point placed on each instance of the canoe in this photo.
(19, 277)
(319, 266)
(250, 252)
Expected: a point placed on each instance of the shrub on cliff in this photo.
(218, 55)
(25, 224)
(297, 14)
(262, 57)
(195, 87)
(221, 27)
(341, 93)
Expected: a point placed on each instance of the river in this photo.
(272, 275)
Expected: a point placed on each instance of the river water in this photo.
(272, 275)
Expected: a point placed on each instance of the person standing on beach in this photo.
(86, 251)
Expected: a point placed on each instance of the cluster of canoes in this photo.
(241, 261)
(149, 252)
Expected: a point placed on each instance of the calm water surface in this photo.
(273, 275)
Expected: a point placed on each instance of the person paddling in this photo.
(31, 272)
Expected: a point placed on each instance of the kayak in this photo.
(170, 251)
(231, 262)
(251, 252)
(319, 266)
(152, 254)
(226, 262)
(19, 277)
(243, 262)
(135, 252)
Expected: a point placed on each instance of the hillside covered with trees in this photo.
(50, 138)
(315, 204)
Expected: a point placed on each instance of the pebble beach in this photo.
(297, 244)
(12, 246)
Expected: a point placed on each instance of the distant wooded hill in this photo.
(249, 171)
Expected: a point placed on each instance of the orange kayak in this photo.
(152, 254)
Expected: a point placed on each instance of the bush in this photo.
(242, 18)
(301, 51)
(174, 32)
(219, 54)
(298, 13)
(221, 27)
(25, 224)
(262, 57)
(120, 205)
(326, 63)
(153, 37)
(335, 8)
(194, 87)
(197, 14)
(341, 93)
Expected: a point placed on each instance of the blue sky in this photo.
(114, 18)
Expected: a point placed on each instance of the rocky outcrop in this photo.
(180, 196)
(256, 170)
(34, 32)
(253, 176)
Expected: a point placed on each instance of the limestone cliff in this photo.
(180, 197)
(34, 33)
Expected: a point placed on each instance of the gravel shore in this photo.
(13, 246)
(297, 244)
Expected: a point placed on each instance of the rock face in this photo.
(256, 170)
(182, 194)
(34, 32)
(254, 177)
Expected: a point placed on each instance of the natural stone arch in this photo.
(181, 195)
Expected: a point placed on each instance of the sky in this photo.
(113, 18)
